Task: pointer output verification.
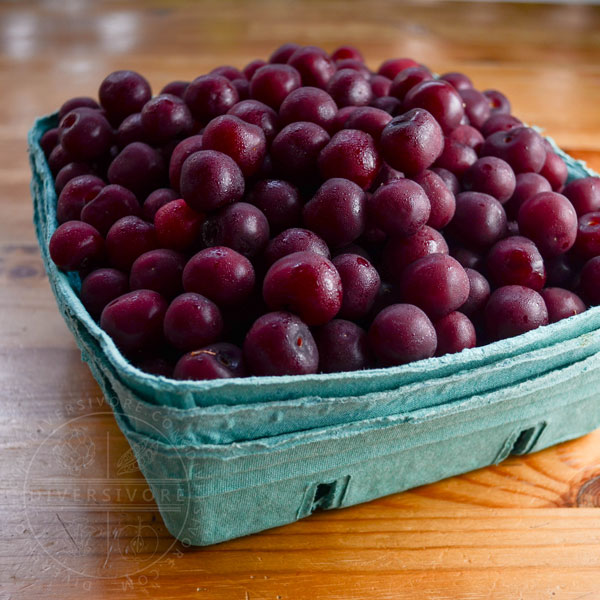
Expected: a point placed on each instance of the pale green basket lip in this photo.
(465, 359)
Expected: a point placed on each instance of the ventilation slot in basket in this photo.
(521, 441)
(322, 496)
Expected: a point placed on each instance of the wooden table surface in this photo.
(528, 528)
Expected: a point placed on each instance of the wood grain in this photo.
(528, 528)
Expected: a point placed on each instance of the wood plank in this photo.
(527, 528)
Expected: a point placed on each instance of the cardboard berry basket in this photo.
(230, 457)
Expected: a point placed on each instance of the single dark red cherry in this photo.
(295, 152)
(455, 332)
(305, 283)
(210, 180)
(587, 244)
(314, 65)
(412, 141)
(85, 134)
(76, 245)
(75, 195)
(209, 96)
(280, 201)
(257, 113)
(184, 149)
(159, 270)
(293, 240)
(440, 99)
(479, 293)
(521, 147)
(138, 167)
(156, 200)
(402, 333)
(221, 274)
(516, 261)
(271, 84)
(391, 67)
(436, 283)
(110, 204)
(191, 322)
(242, 141)
(589, 279)
(343, 346)
(399, 208)
(279, 343)
(513, 310)
(491, 175)
(360, 283)
(350, 154)
(399, 252)
(240, 226)
(123, 93)
(337, 212)
(101, 287)
(479, 220)
(584, 194)
(550, 220)
(135, 320)
(215, 361)
(441, 199)
(128, 238)
(178, 226)
(561, 303)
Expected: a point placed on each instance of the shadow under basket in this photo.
(231, 457)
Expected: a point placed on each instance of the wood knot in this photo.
(20, 264)
(589, 493)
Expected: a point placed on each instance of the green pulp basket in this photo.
(227, 458)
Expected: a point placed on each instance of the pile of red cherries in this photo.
(307, 214)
